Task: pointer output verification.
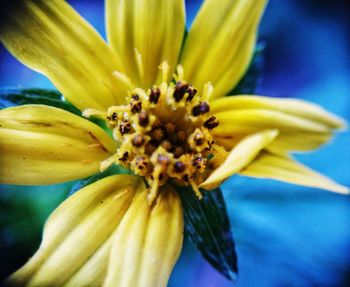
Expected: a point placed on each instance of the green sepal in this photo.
(114, 169)
(17, 97)
(208, 227)
(253, 77)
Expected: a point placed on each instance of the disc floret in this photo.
(164, 133)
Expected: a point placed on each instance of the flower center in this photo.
(164, 134)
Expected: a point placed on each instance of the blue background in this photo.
(285, 235)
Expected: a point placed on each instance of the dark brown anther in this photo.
(191, 93)
(200, 109)
(198, 138)
(157, 134)
(113, 117)
(170, 128)
(154, 95)
(179, 167)
(185, 177)
(179, 151)
(156, 123)
(124, 157)
(211, 123)
(150, 148)
(124, 127)
(143, 119)
(163, 160)
(141, 163)
(135, 97)
(181, 136)
(166, 144)
(198, 162)
(138, 141)
(180, 90)
(135, 107)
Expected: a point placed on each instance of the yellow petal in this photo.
(51, 38)
(145, 33)
(220, 43)
(284, 143)
(294, 107)
(240, 156)
(303, 126)
(77, 233)
(148, 242)
(45, 145)
(268, 165)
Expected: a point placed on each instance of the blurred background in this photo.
(285, 235)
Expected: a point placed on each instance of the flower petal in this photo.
(221, 42)
(294, 107)
(268, 165)
(77, 235)
(154, 28)
(303, 126)
(45, 145)
(240, 156)
(148, 242)
(51, 38)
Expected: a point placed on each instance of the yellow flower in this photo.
(163, 101)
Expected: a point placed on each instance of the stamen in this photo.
(207, 91)
(195, 189)
(138, 141)
(154, 95)
(200, 109)
(143, 119)
(124, 79)
(155, 185)
(108, 162)
(180, 90)
(165, 71)
(163, 132)
(92, 112)
(139, 63)
(211, 123)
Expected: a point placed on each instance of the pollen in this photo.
(164, 133)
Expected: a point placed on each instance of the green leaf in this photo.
(114, 169)
(16, 97)
(208, 226)
(253, 77)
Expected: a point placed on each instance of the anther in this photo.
(150, 148)
(124, 157)
(180, 90)
(113, 117)
(198, 162)
(170, 128)
(154, 95)
(191, 93)
(157, 134)
(124, 127)
(179, 167)
(181, 136)
(200, 109)
(163, 160)
(136, 106)
(198, 138)
(178, 151)
(138, 141)
(143, 119)
(211, 123)
(141, 162)
(166, 144)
